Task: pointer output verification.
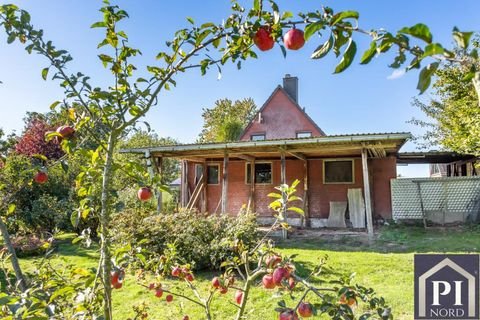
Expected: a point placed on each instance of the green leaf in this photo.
(296, 210)
(190, 19)
(44, 73)
(369, 54)
(11, 208)
(99, 24)
(347, 58)
(274, 195)
(11, 37)
(344, 15)
(75, 218)
(40, 156)
(433, 49)
(312, 28)
(25, 17)
(420, 31)
(54, 105)
(425, 77)
(64, 165)
(461, 38)
(324, 49)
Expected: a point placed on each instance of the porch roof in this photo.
(428, 157)
(377, 144)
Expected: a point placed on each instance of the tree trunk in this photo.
(13, 256)
(104, 226)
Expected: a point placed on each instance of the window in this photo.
(198, 172)
(257, 137)
(213, 174)
(304, 134)
(338, 171)
(263, 173)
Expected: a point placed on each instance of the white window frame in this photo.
(303, 132)
(258, 134)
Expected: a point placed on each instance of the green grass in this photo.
(386, 265)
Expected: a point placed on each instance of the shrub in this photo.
(202, 241)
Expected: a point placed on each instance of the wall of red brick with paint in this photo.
(320, 194)
(281, 119)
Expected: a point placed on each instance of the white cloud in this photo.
(397, 73)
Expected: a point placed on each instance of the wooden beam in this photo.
(366, 191)
(204, 207)
(297, 155)
(159, 166)
(251, 197)
(225, 183)
(283, 178)
(243, 157)
(151, 171)
(306, 217)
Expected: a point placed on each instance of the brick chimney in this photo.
(290, 84)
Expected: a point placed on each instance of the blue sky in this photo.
(360, 100)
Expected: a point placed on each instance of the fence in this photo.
(440, 200)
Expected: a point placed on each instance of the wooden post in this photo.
(251, 198)
(366, 192)
(184, 184)
(204, 191)
(306, 218)
(225, 183)
(283, 177)
(159, 167)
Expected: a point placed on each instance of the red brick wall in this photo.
(381, 171)
(281, 119)
(321, 194)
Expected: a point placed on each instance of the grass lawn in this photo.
(386, 265)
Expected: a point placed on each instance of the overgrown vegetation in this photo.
(204, 242)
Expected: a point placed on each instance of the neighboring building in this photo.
(282, 143)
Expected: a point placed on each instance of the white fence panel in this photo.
(441, 200)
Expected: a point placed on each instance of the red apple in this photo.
(169, 298)
(288, 315)
(263, 38)
(294, 39)
(189, 277)
(291, 283)
(176, 272)
(223, 290)
(305, 309)
(117, 277)
(144, 193)
(239, 296)
(351, 302)
(151, 286)
(159, 293)
(41, 177)
(216, 282)
(279, 274)
(267, 281)
(66, 131)
(272, 261)
(186, 318)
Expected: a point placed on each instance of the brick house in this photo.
(282, 143)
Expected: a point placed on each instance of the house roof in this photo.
(378, 144)
(295, 103)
